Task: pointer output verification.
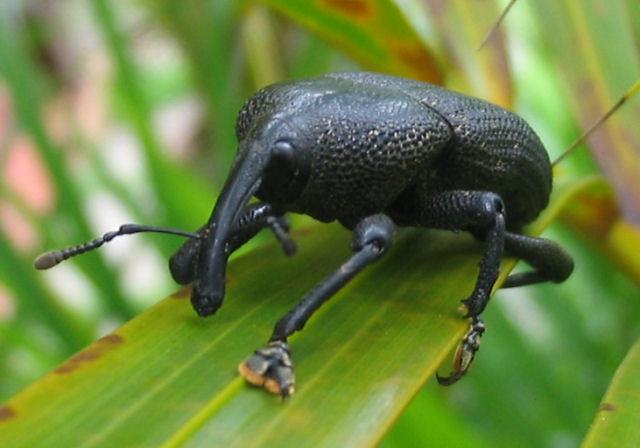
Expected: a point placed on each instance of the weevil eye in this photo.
(284, 153)
(286, 174)
(284, 159)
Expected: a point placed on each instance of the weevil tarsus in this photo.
(465, 353)
(271, 368)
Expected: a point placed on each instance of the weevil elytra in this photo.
(373, 152)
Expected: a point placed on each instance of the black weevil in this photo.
(371, 151)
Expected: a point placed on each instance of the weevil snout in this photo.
(269, 165)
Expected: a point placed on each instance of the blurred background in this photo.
(115, 112)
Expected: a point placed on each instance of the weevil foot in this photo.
(271, 368)
(465, 353)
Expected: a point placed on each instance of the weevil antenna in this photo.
(635, 88)
(496, 25)
(50, 259)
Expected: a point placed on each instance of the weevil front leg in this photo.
(183, 263)
(271, 367)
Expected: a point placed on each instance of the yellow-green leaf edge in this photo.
(616, 423)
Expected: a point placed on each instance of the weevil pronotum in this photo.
(373, 152)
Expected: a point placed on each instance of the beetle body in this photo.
(379, 143)
(371, 151)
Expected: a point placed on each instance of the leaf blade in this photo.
(161, 376)
(615, 424)
(593, 75)
(375, 32)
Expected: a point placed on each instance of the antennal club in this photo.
(50, 259)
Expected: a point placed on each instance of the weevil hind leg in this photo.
(271, 367)
(549, 260)
(550, 263)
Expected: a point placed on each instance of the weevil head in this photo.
(270, 161)
(273, 162)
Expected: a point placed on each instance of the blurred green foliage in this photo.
(79, 80)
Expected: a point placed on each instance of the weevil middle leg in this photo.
(550, 262)
(484, 214)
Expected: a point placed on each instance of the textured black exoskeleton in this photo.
(371, 151)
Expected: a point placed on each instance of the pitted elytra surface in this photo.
(374, 137)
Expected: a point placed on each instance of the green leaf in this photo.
(172, 182)
(462, 26)
(21, 76)
(170, 377)
(167, 372)
(616, 423)
(596, 54)
(595, 215)
(383, 35)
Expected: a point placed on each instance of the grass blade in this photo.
(26, 87)
(593, 212)
(171, 183)
(616, 424)
(595, 50)
(461, 26)
(378, 33)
